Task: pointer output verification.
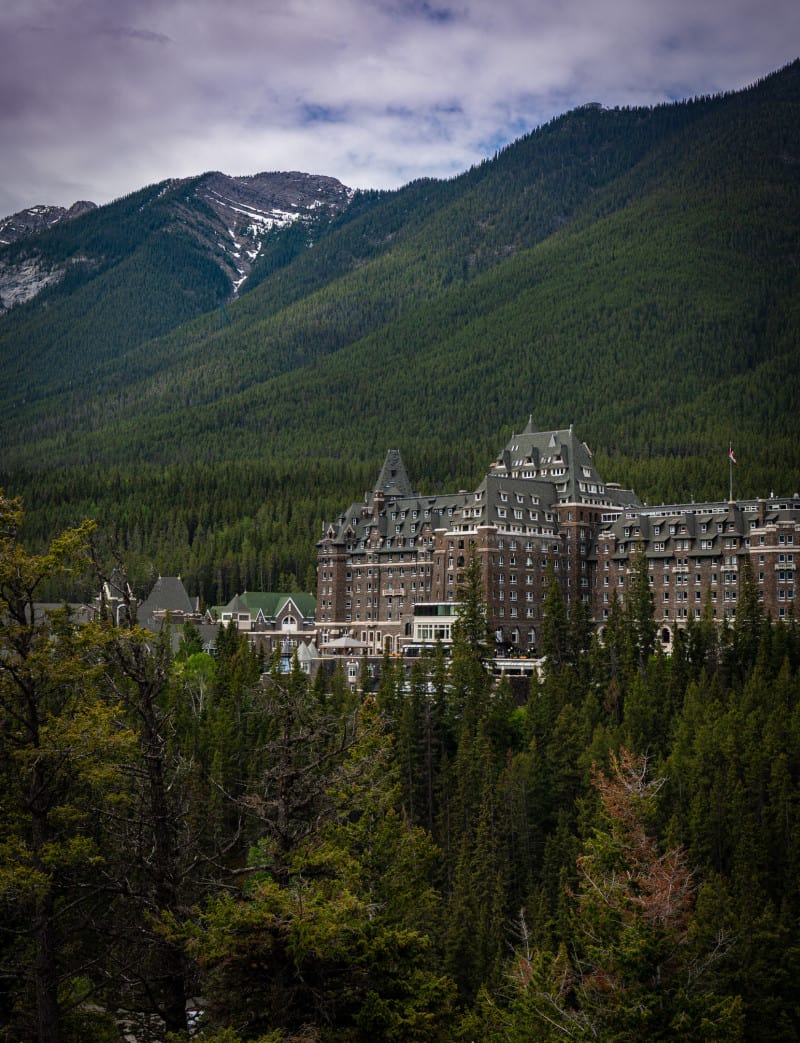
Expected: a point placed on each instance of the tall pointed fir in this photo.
(472, 648)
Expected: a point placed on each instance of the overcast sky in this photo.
(100, 97)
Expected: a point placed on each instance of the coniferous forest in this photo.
(611, 855)
(614, 855)
(631, 271)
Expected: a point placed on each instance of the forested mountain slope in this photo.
(94, 287)
(632, 271)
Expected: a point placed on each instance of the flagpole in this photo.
(731, 462)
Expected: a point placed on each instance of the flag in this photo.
(731, 457)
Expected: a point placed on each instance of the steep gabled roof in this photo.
(393, 481)
(272, 604)
(168, 595)
(269, 604)
(558, 456)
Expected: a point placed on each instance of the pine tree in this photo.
(331, 939)
(636, 974)
(555, 627)
(61, 749)
(639, 610)
(471, 629)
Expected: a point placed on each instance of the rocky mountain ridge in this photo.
(38, 218)
(21, 281)
(227, 218)
(249, 207)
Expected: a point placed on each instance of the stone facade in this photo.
(696, 554)
(538, 508)
(541, 507)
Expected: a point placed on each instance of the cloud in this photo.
(97, 99)
(123, 31)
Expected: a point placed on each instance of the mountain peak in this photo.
(250, 206)
(38, 218)
(227, 218)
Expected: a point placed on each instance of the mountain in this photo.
(247, 208)
(37, 219)
(22, 281)
(634, 271)
(213, 225)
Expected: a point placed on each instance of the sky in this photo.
(101, 97)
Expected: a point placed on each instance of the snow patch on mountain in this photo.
(251, 207)
(229, 218)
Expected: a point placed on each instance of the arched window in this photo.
(289, 623)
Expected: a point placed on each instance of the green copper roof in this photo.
(270, 604)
